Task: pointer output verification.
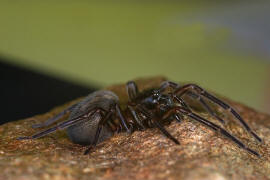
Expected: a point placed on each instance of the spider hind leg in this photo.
(54, 118)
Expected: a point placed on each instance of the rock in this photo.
(203, 154)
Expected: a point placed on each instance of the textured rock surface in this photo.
(203, 154)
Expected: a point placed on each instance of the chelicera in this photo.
(99, 115)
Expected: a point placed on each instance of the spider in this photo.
(99, 115)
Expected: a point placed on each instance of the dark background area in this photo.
(25, 93)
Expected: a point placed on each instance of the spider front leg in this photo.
(200, 91)
(207, 108)
(173, 85)
(216, 128)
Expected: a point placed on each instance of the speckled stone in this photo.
(203, 154)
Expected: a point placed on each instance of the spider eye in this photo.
(155, 94)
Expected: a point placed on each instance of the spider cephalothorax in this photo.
(99, 115)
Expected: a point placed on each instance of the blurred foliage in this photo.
(109, 42)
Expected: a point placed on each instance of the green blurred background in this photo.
(106, 42)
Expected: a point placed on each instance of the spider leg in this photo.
(60, 126)
(178, 117)
(186, 88)
(165, 132)
(205, 105)
(164, 85)
(157, 124)
(137, 119)
(55, 118)
(122, 119)
(132, 90)
(215, 128)
(173, 85)
(99, 128)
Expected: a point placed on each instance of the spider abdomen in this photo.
(84, 132)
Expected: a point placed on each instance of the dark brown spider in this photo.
(98, 115)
